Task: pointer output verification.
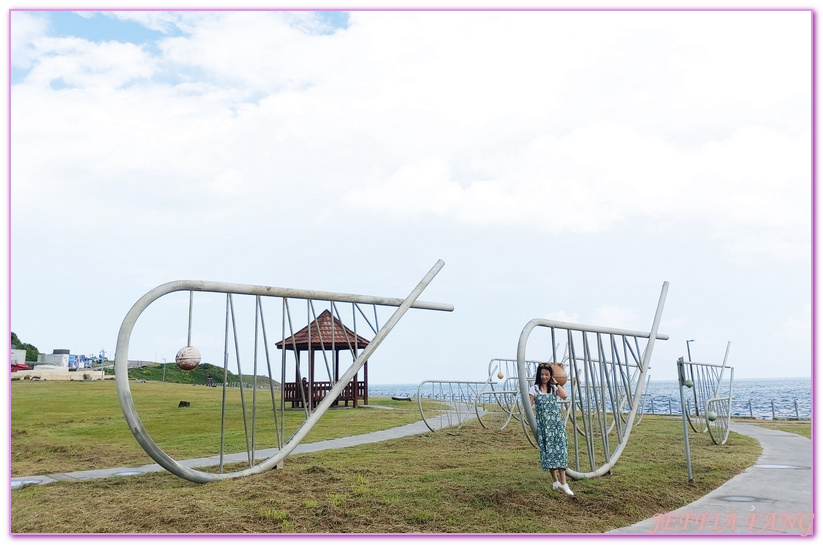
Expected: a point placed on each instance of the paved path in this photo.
(774, 496)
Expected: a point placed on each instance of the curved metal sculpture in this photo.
(641, 410)
(623, 392)
(606, 356)
(498, 402)
(274, 407)
(507, 400)
(460, 397)
(711, 409)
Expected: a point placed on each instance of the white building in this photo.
(58, 360)
(18, 356)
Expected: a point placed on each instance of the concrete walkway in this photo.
(772, 497)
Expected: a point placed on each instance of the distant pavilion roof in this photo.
(321, 332)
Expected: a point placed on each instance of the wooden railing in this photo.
(352, 392)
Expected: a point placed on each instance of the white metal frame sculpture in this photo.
(277, 410)
(623, 392)
(607, 356)
(498, 402)
(712, 412)
(459, 396)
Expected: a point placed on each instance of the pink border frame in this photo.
(418, 536)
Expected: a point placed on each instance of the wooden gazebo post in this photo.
(310, 400)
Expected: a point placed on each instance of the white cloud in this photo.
(161, 21)
(456, 103)
(746, 61)
(463, 129)
(602, 174)
(797, 328)
(423, 187)
(26, 32)
(562, 316)
(260, 51)
(79, 63)
(670, 326)
(618, 317)
(229, 184)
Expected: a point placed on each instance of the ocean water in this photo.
(789, 397)
(760, 398)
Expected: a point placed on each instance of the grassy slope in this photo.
(174, 374)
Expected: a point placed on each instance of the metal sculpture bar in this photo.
(621, 391)
(507, 394)
(599, 389)
(499, 399)
(234, 350)
(712, 405)
(459, 396)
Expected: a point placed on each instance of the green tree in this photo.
(31, 350)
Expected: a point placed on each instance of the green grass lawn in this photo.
(468, 480)
(799, 428)
(59, 426)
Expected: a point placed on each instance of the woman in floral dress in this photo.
(551, 430)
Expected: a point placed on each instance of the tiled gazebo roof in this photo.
(321, 336)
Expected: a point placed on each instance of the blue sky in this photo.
(101, 26)
(563, 165)
(91, 26)
(98, 27)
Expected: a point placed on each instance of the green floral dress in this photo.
(551, 431)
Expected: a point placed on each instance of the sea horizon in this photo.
(753, 397)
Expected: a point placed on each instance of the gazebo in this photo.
(325, 333)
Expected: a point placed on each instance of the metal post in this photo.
(670, 406)
(773, 417)
(796, 412)
(681, 379)
(696, 382)
(751, 414)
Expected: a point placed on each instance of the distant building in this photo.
(64, 358)
(18, 357)
(59, 360)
